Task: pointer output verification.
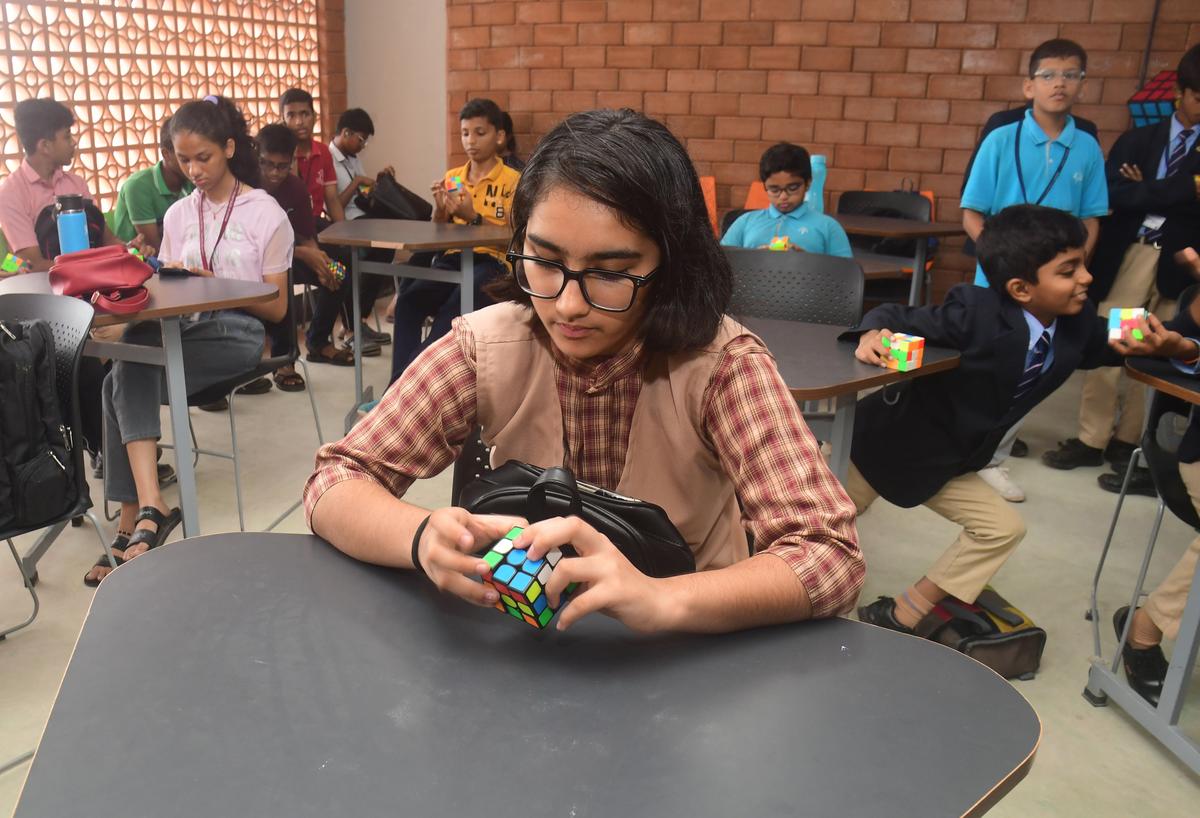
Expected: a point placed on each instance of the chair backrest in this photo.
(796, 286)
(1160, 450)
(756, 197)
(473, 461)
(900, 204)
(729, 218)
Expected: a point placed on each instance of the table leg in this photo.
(918, 276)
(843, 434)
(177, 400)
(466, 296)
(355, 286)
(1183, 658)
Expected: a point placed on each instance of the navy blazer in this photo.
(913, 438)
(1173, 197)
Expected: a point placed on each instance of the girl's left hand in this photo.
(608, 582)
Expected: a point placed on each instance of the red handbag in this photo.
(110, 277)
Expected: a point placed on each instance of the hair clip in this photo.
(212, 98)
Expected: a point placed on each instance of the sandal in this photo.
(119, 543)
(153, 539)
(289, 381)
(339, 357)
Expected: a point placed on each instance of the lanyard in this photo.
(1021, 177)
(237, 186)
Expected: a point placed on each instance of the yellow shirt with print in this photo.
(491, 197)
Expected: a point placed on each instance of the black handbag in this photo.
(641, 530)
(389, 199)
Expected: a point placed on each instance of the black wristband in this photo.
(416, 561)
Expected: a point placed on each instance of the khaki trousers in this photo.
(1166, 602)
(991, 531)
(1107, 388)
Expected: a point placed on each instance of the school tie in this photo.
(1040, 350)
(1174, 160)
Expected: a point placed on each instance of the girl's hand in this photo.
(448, 551)
(608, 582)
(870, 347)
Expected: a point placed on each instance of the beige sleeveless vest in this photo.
(668, 462)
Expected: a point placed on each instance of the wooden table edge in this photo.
(1172, 389)
(108, 319)
(375, 244)
(885, 377)
(1005, 785)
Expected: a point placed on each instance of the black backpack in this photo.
(37, 470)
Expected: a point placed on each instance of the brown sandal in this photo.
(339, 357)
(289, 381)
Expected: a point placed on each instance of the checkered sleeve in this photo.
(792, 504)
(416, 431)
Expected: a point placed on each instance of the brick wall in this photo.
(331, 51)
(889, 90)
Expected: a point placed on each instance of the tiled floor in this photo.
(1092, 762)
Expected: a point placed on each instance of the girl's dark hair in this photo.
(634, 166)
(510, 138)
(218, 120)
(1020, 239)
(785, 157)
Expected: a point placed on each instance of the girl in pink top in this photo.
(226, 228)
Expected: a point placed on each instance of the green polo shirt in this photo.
(144, 199)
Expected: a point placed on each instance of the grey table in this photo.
(1104, 679)
(170, 300)
(816, 366)
(268, 674)
(400, 234)
(891, 228)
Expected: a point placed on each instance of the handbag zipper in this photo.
(7, 331)
(56, 460)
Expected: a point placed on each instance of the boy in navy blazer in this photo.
(1020, 339)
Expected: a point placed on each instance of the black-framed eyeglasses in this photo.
(281, 167)
(794, 187)
(605, 290)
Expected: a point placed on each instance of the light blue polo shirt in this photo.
(813, 232)
(1080, 188)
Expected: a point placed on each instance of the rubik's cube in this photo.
(779, 243)
(905, 352)
(1155, 101)
(521, 582)
(1125, 318)
(338, 269)
(454, 183)
(12, 264)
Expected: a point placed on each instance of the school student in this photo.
(146, 195)
(611, 354)
(786, 172)
(1020, 338)
(314, 163)
(226, 228)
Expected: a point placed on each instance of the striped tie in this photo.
(1178, 151)
(1040, 350)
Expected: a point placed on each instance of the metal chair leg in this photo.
(320, 440)
(104, 544)
(237, 464)
(1093, 613)
(29, 587)
(1141, 580)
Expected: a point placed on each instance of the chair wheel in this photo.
(76, 522)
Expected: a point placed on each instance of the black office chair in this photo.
(70, 319)
(793, 286)
(729, 218)
(896, 204)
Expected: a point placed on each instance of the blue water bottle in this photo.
(815, 197)
(72, 223)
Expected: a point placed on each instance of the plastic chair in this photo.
(793, 286)
(70, 319)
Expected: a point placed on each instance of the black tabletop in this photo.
(262, 674)
(1162, 375)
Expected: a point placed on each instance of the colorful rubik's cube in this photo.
(522, 582)
(779, 243)
(905, 352)
(1125, 318)
(1155, 101)
(454, 183)
(338, 269)
(12, 264)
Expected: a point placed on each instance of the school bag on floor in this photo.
(37, 473)
(991, 631)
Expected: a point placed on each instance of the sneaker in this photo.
(369, 334)
(882, 612)
(997, 477)
(1073, 453)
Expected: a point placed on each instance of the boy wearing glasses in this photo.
(1041, 159)
(789, 223)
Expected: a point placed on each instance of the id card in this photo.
(1154, 221)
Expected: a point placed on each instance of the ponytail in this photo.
(218, 120)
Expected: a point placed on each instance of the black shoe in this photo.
(258, 386)
(882, 612)
(1140, 482)
(1072, 454)
(166, 475)
(1019, 448)
(369, 334)
(1119, 453)
(216, 406)
(1145, 668)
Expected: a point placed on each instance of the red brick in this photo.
(629, 10)
(992, 61)
(881, 10)
(1027, 35)
(595, 79)
(715, 104)
(691, 127)
(1106, 117)
(743, 33)
(1008, 11)
(870, 109)
(1117, 91)
(970, 112)
(845, 179)
(956, 87)
(602, 34)
(619, 99)
(457, 16)
(643, 79)
(676, 56)
(908, 35)
(1125, 11)
(860, 156)
(792, 82)
(948, 136)
(761, 104)
(541, 57)
(499, 58)
(508, 79)
(528, 101)
(648, 33)
(464, 80)
(628, 56)
(828, 10)
(1113, 64)
(538, 12)
(889, 180)
(474, 37)
(512, 35)
(933, 60)
(736, 172)
(661, 104)
(787, 130)
(745, 82)
(550, 79)
(1059, 11)
(460, 60)
(816, 107)
(690, 80)
(966, 35)
(696, 33)
(584, 56)
(1178, 11)
(774, 9)
(555, 34)
(955, 161)
(846, 84)
(737, 127)
(854, 33)
(821, 58)
(544, 121)
(574, 100)
(893, 134)
(676, 9)
(927, 160)
(806, 33)
(1006, 89)
(494, 14)
(780, 57)
(724, 9)
(730, 56)
(941, 11)
(899, 85)
(749, 150)
(583, 11)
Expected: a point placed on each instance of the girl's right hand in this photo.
(449, 544)
(870, 347)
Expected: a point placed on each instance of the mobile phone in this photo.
(173, 272)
